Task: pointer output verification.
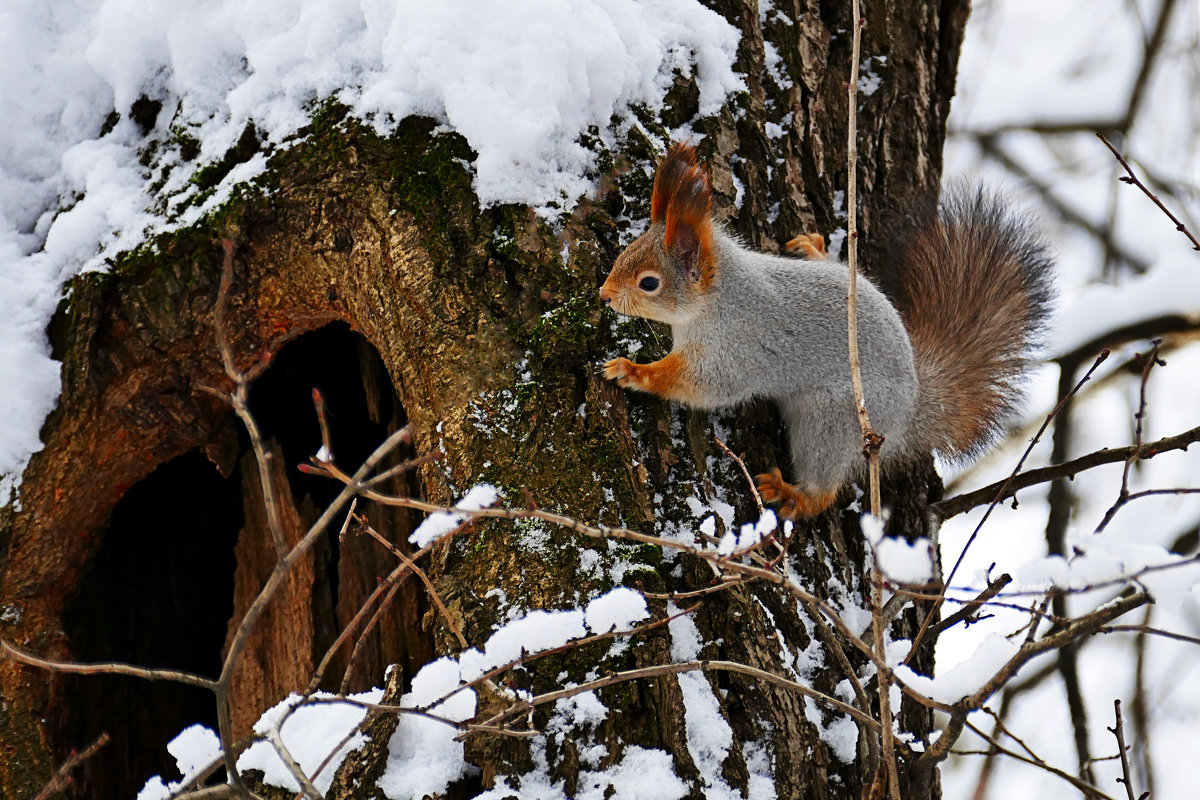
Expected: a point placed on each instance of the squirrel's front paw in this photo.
(623, 371)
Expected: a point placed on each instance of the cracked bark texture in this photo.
(471, 325)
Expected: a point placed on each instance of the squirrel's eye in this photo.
(648, 283)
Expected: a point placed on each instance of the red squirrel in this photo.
(943, 340)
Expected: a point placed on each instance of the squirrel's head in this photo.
(665, 272)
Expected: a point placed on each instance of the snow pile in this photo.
(423, 758)
(194, 749)
(899, 560)
(521, 81)
(309, 731)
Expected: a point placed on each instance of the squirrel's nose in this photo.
(606, 294)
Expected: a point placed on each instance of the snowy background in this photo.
(76, 188)
(1074, 66)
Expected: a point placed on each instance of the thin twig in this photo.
(1149, 361)
(285, 755)
(240, 399)
(1122, 750)
(407, 561)
(522, 706)
(872, 441)
(972, 606)
(749, 480)
(62, 776)
(1088, 789)
(1133, 179)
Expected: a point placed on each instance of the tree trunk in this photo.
(368, 269)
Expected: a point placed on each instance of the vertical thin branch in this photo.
(1150, 360)
(871, 440)
(1122, 750)
(240, 400)
(1140, 711)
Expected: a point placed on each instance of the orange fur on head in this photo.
(683, 201)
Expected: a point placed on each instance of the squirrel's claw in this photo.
(793, 503)
(621, 370)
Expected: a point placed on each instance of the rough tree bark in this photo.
(367, 266)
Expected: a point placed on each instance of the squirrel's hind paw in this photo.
(809, 245)
(791, 502)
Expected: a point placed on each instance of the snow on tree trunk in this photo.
(481, 328)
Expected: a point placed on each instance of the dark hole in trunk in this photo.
(159, 592)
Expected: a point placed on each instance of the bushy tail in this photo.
(973, 284)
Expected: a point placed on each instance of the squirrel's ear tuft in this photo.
(689, 231)
(672, 171)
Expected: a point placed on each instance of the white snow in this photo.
(617, 610)
(686, 640)
(439, 523)
(899, 560)
(521, 81)
(748, 535)
(965, 678)
(309, 732)
(1169, 288)
(709, 736)
(194, 749)
(423, 758)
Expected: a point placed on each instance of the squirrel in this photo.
(943, 338)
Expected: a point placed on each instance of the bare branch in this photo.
(1088, 789)
(62, 776)
(965, 502)
(972, 607)
(1133, 179)
(749, 480)
(1149, 361)
(108, 668)
(523, 706)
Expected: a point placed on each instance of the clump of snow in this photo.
(521, 81)
(439, 523)
(840, 735)
(616, 610)
(906, 562)
(309, 731)
(749, 535)
(194, 749)
(965, 678)
(423, 758)
(536, 631)
(579, 710)
(899, 560)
